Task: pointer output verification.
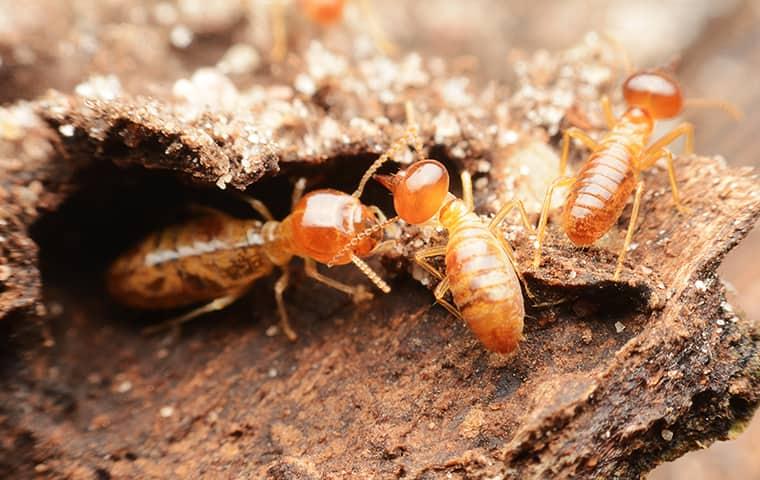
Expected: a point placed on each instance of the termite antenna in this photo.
(732, 110)
(279, 32)
(350, 246)
(410, 136)
(374, 277)
(385, 46)
(625, 59)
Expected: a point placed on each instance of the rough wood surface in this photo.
(612, 379)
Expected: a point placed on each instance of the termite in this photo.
(216, 258)
(481, 271)
(600, 190)
(324, 13)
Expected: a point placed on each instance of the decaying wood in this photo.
(613, 377)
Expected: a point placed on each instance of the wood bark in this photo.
(612, 378)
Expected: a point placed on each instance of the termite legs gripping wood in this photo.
(481, 271)
(600, 190)
(421, 256)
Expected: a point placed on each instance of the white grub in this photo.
(166, 411)
(272, 330)
(272, 373)
(102, 87)
(619, 327)
(239, 59)
(667, 435)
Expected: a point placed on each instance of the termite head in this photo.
(419, 191)
(323, 12)
(654, 91)
(324, 221)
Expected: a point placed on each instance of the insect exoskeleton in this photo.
(216, 258)
(324, 221)
(480, 272)
(601, 188)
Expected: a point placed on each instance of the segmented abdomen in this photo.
(200, 260)
(484, 285)
(597, 198)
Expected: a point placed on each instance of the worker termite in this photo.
(600, 190)
(324, 13)
(481, 271)
(217, 258)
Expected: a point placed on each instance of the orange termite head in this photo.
(323, 12)
(324, 221)
(654, 91)
(418, 191)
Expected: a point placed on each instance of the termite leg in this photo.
(382, 247)
(686, 129)
(279, 288)
(609, 116)
(559, 182)
(440, 293)
(378, 36)
(358, 293)
(201, 210)
(496, 231)
(279, 32)
(381, 217)
(258, 206)
(298, 189)
(213, 306)
(668, 155)
(504, 211)
(467, 190)
(631, 228)
(577, 134)
(421, 256)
